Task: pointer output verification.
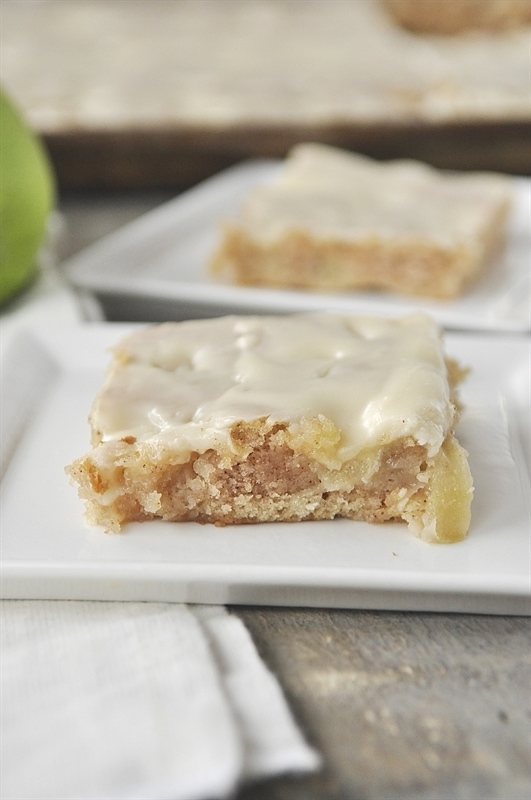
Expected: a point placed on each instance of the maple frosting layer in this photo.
(184, 385)
(335, 194)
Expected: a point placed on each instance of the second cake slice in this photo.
(335, 221)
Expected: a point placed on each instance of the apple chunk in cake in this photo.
(280, 418)
(338, 221)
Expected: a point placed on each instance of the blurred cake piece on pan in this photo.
(456, 16)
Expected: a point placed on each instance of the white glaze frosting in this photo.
(332, 193)
(183, 385)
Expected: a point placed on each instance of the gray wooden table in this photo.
(402, 706)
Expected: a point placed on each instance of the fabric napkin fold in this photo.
(102, 701)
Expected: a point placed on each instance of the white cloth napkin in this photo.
(112, 701)
(102, 701)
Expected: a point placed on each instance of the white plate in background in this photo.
(156, 267)
(49, 379)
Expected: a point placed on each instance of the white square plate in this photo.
(156, 268)
(49, 379)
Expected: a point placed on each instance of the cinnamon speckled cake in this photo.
(280, 418)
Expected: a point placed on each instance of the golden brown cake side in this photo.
(395, 458)
(416, 268)
(450, 17)
(337, 221)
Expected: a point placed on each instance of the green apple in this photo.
(27, 198)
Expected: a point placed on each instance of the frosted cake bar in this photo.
(333, 221)
(288, 418)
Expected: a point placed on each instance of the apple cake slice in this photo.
(336, 221)
(248, 419)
